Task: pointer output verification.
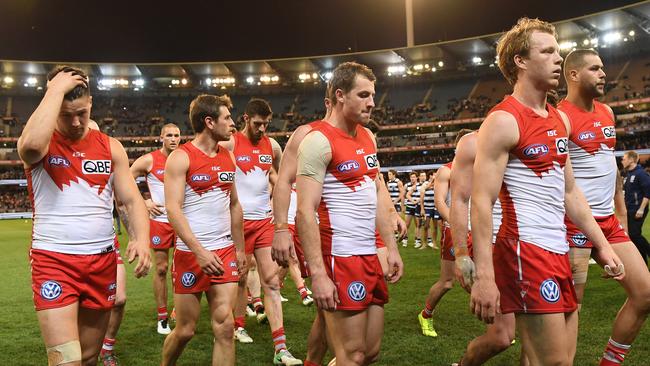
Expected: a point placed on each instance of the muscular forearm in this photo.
(137, 221)
(182, 228)
(309, 236)
(281, 199)
(237, 226)
(482, 236)
(38, 131)
(458, 221)
(124, 217)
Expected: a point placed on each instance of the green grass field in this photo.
(403, 344)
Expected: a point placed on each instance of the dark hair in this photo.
(415, 172)
(79, 90)
(576, 59)
(258, 107)
(393, 171)
(343, 78)
(206, 105)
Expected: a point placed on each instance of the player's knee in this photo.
(448, 284)
(68, 353)
(184, 334)
(161, 269)
(641, 299)
(224, 329)
(501, 342)
(357, 357)
(372, 356)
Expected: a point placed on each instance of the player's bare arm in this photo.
(281, 250)
(127, 193)
(237, 224)
(384, 222)
(176, 168)
(35, 139)
(441, 187)
(498, 134)
(461, 190)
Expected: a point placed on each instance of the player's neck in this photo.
(530, 96)
(206, 144)
(584, 102)
(165, 151)
(339, 121)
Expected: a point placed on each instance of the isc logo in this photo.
(586, 136)
(609, 132)
(371, 161)
(266, 159)
(227, 177)
(57, 160)
(348, 166)
(200, 178)
(535, 150)
(96, 166)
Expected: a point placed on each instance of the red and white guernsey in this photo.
(71, 190)
(532, 193)
(253, 165)
(208, 181)
(591, 147)
(348, 204)
(155, 182)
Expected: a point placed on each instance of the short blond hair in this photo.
(516, 41)
(168, 125)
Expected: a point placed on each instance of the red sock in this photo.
(614, 353)
(427, 312)
(162, 312)
(303, 291)
(257, 304)
(279, 339)
(240, 322)
(107, 346)
(309, 363)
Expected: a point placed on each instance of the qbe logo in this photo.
(579, 239)
(59, 161)
(227, 177)
(562, 145)
(200, 178)
(155, 240)
(51, 290)
(357, 291)
(535, 150)
(550, 291)
(188, 279)
(371, 161)
(96, 167)
(266, 159)
(348, 166)
(609, 132)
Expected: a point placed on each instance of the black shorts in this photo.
(411, 211)
(432, 213)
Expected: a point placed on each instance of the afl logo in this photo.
(535, 150)
(586, 136)
(266, 159)
(579, 239)
(96, 166)
(243, 159)
(188, 279)
(609, 132)
(227, 177)
(562, 145)
(550, 291)
(51, 290)
(348, 166)
(371, 161)
(357, 291)
(56, 160)
(155, 240)
(201, 178)
(160, 171)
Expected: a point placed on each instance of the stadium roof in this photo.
(605, 29)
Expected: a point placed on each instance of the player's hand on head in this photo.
(395, 266)
(140, 251)
(485, 300)
(65, 81)
(281, 249)
(324, 292)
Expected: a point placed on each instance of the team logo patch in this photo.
(51, 290)
(200, 178)
(96, 167)
(112, 286)
(188, 279)
(233, 264)
(227, 177)
(266, 159)
(56, 160)
(357, 291)
(550, 291)
(371, 161)
(348, 166)
(609, 132)
(155, 240)
(535, 150)
(586, 136)
(579, 239)
(243, 159)
(562, 145)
